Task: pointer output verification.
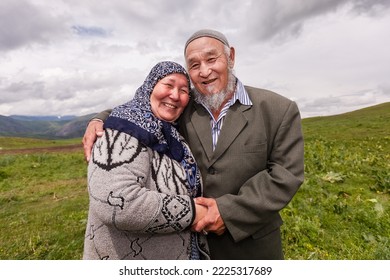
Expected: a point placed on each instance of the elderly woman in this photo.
(143, 178)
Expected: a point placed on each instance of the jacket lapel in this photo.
(234, 123)
(201, 123)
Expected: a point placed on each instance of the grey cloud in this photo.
(20, 91)
(22, 23)
(275, 18)
(281, 20)
(323, 102)
(104, 50)
(385, 89)
(17, 91)
(371, 7)
(170, 22)
(146, 46)
(67, 93)
(340, 104)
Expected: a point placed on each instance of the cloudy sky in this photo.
(75, 57)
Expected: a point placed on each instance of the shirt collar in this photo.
(240, 94)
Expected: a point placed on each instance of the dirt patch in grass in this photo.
(56, 149)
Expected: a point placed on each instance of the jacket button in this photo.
(211, 170)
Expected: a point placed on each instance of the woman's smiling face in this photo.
(169, 97)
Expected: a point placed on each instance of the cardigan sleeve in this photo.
(130, 190)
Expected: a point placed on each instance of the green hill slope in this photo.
(342, 209)
(360, 124)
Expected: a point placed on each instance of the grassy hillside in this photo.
(43, 206)
(340, 212)
(342, 209)
(357, 125)
(7, 143)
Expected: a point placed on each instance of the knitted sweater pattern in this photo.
(140, 205)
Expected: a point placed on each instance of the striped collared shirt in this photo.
(242, 96)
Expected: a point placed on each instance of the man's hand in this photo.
(94, 130)
(212, 221)
(200, 212)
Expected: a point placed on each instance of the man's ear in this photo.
(232, 56)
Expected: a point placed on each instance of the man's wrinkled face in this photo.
(208, 65)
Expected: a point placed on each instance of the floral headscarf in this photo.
(136, 118)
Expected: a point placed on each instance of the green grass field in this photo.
(8, 143)
(340, 212)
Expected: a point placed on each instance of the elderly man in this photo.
(249, 146)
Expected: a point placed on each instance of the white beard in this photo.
(214, 101)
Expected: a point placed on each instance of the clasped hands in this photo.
(207, 218)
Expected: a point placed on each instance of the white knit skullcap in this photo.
(207, 33)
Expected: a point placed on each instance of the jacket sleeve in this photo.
(120, 185)
(103, 115)
(262, 196)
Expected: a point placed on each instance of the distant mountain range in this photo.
(48, 127)
(42, 118)
(64, 127)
